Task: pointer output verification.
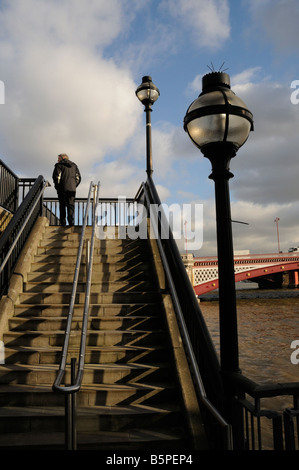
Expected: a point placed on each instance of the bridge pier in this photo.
(289, 279)
(292, 278)
(188, 261)
(272, 281)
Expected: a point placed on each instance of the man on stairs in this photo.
(66, 177)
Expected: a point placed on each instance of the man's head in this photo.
(62, 156)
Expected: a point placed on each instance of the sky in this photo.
(70, 69)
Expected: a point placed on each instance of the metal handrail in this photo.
(8, 188)
(17, 231)
(16, 239)
(75, 386)
(184, 331)
(243, 385)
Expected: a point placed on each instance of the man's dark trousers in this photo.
(66, 202)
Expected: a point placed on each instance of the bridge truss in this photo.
(204, 272)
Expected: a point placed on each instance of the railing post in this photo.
(87, 257)
(277, 433)
(68, 423)
(70, 414)
(289, 429)
(74, 406)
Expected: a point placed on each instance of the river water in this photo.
(268, 323)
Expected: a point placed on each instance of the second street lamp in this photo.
(148, 93)
(219, 123)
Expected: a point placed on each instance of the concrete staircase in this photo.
(131, 396)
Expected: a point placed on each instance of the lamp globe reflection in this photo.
(218, 117)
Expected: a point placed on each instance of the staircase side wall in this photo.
(5, 218)
(20, 273)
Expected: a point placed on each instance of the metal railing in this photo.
(24, 186)
(254, 426)
(16, 233)
(8, 188)
(116, 212)
(249, 411)
(111, 211)
(13, 189)
(51, 206)
(76, 377)
(198, 345)
(264, 428)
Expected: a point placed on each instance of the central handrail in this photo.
(75, 386)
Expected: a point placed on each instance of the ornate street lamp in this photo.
(148, 93)
(219, 123)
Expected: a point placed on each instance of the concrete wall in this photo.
(21, 270)
(5, 217)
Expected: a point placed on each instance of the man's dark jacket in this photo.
(66, 176)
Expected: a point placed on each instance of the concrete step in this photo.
(117, 246)
(98, 428)
(89, 395)
(59, 257)
(129, 375)
(98, 251)
(135, 440)
(94, 323)
(61, 266)
(97, 418)
(97, 275)
(109, 231)
(76, 235)
(94, 354)
(114, 253)
(171, 439)
(94, 338)
(95, 310)
(96, 286)
(35, 374)
(95, 298)
(132, 441)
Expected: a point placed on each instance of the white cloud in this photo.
(62, 94)
(245, 77)
(207, 21)
(277, 22)
(267, 166)
(257, 233)
(93, 23)
(68, 67)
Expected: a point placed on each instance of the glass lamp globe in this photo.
(218, 115)
(147, 92)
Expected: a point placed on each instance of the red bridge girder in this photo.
(208, 286)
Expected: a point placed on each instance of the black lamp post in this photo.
(219, 123)
(148, 93)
